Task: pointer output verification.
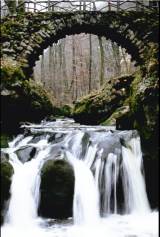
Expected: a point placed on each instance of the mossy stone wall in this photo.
(25, 36)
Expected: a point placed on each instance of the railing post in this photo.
(90, 7)
(140, 5)
(109, 5)
(34, 6)
(21, 6)
(27, 6)
(137, 5)
(118, 5)
(49, 6)
(94, 6)
(84, 6)
(80, 5)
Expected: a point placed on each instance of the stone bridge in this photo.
(24, 37)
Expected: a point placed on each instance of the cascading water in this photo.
(111, 172)
(85, 206)
(100, 158)
(134, 186)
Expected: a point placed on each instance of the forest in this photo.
(80, 64)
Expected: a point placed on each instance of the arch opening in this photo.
(79, 64)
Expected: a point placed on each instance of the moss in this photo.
(118, 113)
(6, 174)
(4, 139)
(99, 105)
(144, 110)
(37, 96)
(12, 29)
(132, 101)
(81, 108)
(21, 100)
(30, 101)
(64, 111)
(11, 72)
(57, 188)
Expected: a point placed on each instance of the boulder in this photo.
(56, 189)
(6, 176)
(26, 153)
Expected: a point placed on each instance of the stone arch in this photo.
(131, 30)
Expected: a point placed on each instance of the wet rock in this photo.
(151, 167)
(4, 157)
(119, 112)
(38, 137)
(56, 137)
(56, 189)
(26, 153)
(85, 144)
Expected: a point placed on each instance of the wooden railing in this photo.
(73, 5)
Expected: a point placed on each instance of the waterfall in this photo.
(111, 172)
(134, 185)
(100, 157)
(85, 207)
(25, 185)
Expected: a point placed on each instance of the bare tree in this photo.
(101, 61)
(90, 64)
(116, 54)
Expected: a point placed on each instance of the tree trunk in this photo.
(90, 64)
(42, 70)
(117, 59)
(64, 73)
(50, 67)
(101, 61)
(73, 86)
(125, 61)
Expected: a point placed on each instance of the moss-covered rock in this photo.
(6, 175)
(56, 189)
(112, 119)
(24, 101)
(21, 99)
(99, 106)
(37, 97)
(144, 111)
(65, 110)
(4, 139)
(144, 116)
